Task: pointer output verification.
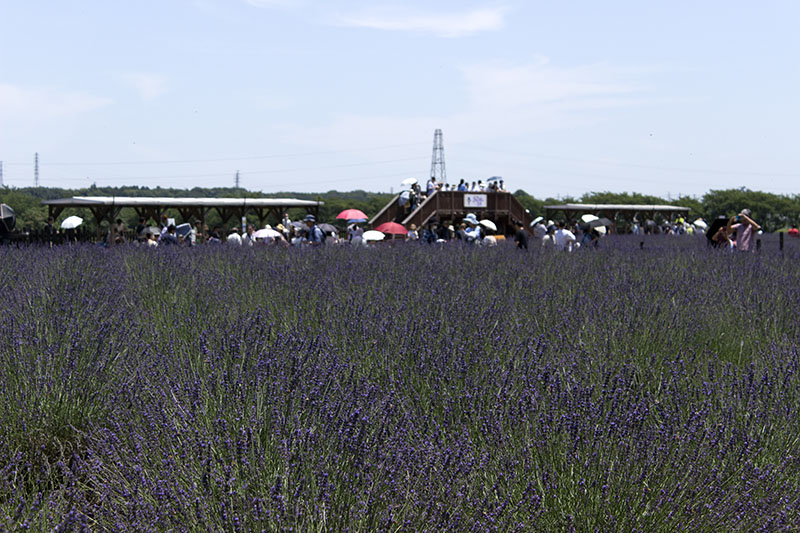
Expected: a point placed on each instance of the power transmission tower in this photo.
(36, 169)
(237, 179)
(437, 162)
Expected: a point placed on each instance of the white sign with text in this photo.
(475, 201)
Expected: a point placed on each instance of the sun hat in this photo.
(310, 218)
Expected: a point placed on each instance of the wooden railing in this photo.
(389, 213)
(501, 208)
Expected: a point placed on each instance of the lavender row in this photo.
(410, 388)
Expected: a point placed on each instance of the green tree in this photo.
(30, 212)
(535, 206)
(771, 211)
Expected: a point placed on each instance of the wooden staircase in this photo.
(502, 208)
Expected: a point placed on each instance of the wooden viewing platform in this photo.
(502, 208)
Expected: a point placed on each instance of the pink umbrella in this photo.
(351, 214)
(392, 228)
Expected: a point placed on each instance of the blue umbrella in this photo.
(183, 229)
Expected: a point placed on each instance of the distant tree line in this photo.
(774, 212)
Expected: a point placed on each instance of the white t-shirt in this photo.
(234, 238)
(564, 239)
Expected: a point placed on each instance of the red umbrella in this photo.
(351, 214)
(392, 228)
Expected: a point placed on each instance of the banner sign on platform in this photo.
(475, 201)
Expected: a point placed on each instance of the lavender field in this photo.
(407, 388)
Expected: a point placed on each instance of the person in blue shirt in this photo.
(316, 236)
(462, 186)
(169, 238)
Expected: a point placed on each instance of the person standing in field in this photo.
(140, 227)
(50, 231)
(548, 240)
(249, 238)
(413, 234)
(745, 227)
(521, 237)
(316, 237)
(169, 238)
(473, 233)
(721, 240)
(164, 225)
(234, 238)
(118, 231)
(564, 238)
(539, 230)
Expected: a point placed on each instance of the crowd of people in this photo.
(737, 234)
(286, 233)
(415, 194)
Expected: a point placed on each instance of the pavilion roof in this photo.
(156, 201)
(617, 207)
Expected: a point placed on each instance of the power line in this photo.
(271, 171)
(222, 159)
(317, 182)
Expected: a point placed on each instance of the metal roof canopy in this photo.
(614, 209)
(108, 207)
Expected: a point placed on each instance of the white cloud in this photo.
(149, 86)
(38, 103)
(503, 100)
(542, 85)
(443, 24)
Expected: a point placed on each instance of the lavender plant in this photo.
(400, 388)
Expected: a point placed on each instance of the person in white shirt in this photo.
(164, 226)
(548, 239)
(354, 233)
(473, 232)
(564, 238)
(249, 238)
(234, 237)
(539, 230)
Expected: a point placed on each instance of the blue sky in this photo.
(559, 98)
